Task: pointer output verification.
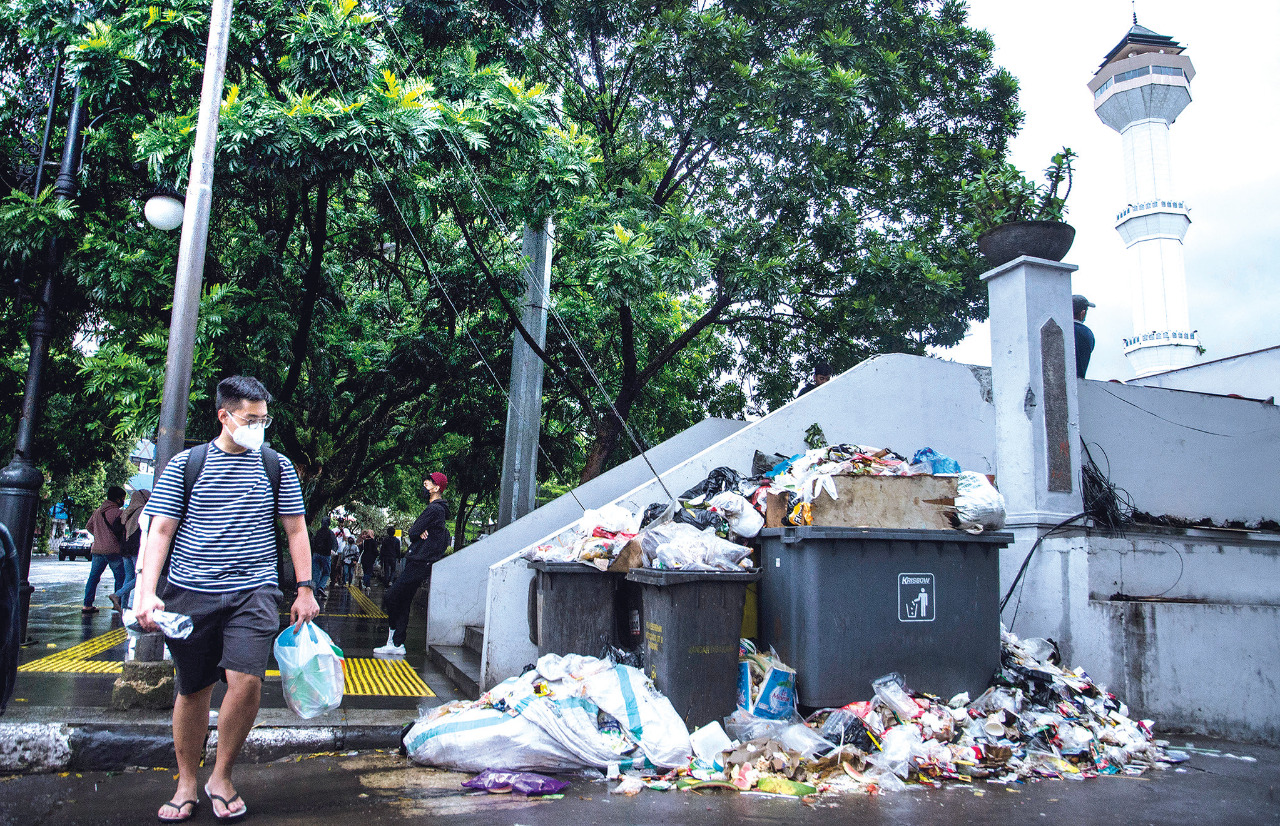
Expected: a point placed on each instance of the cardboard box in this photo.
(905, 502)
(631, 557)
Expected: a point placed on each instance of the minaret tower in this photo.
(1140, 89)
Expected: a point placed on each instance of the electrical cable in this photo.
(417, 245)
(1027, 561)
(526, 269)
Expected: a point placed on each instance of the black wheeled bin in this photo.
(691, 622)
(843, 606)
(571, 608)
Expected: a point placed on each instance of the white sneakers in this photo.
(390, 649)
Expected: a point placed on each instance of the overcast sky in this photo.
(1224, 156)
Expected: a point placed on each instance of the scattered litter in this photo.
(525, 783)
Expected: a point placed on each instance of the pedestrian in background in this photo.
(430, 537)
(1084, 336)
(322, 545)
(389, 555)
(107, 528)
(368, 556)
(133, 532)
(223, 576)
(821, 375)
(350, 553)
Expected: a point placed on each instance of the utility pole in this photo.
(20, 481)
(519, 491)
(191, 249)
(186, 289)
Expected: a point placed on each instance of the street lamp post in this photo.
(20, 481)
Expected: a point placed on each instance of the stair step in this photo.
(461, 665)
(473, 637)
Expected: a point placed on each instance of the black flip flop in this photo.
(178, 807)
(226, 804)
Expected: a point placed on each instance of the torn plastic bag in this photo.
(310, 670)
(717, 481)
(525, 783)
(743, 519)
(678, 546)
(743, 726)
(979, 506)
(800, 738)
(653, 513)
(612, 518)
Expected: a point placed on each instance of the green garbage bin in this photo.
(843, 606)
(691, 622)
(571, 608)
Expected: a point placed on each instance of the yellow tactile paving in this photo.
(76, 658)
(367, 677)
(370, 608)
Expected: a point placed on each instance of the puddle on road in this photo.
(418, 791)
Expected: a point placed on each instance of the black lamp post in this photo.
(20, 481)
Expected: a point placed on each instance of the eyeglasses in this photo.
(250, 421)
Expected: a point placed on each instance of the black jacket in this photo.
(433, 521)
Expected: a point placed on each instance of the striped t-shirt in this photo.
(226, 541)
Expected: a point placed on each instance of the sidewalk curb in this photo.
(35, 740)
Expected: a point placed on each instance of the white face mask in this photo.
(250, 436)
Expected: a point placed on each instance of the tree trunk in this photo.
(460, 522)
(608, 432)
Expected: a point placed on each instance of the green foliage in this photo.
(1001, 194)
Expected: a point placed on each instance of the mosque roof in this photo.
(1146, 40)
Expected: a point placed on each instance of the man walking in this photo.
(107, 528)
(223, 575)
(323, 544)
(389, 556)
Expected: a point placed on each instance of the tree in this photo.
(779, 176)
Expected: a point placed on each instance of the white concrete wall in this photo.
(1252, 375)
(1185, 454)
(896, 401)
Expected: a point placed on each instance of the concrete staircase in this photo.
(461, 663)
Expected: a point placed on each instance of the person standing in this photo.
(133, 531)
(368, 556)
(821, 375)
(389, 555)
(350, 553)
(322, 544)
(223, 575)
(430, 536)
(107, 528)
(1084, 336)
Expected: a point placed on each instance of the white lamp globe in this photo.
(164, 210)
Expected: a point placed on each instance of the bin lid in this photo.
(799, 533)
(661, 576)
(565, 567)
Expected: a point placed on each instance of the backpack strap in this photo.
(191, 472)
(271, 464)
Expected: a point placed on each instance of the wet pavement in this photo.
(75, 658)
(1215, 786)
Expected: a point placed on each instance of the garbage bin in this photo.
(571, 608)
(691, 623)
(843, 606)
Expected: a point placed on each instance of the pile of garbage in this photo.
(1036, 721)
(704, 528)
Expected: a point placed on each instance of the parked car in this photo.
(76, 544)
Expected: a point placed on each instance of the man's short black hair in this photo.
(391, 530)
(115, 493)
(822, 368)
(233, 391)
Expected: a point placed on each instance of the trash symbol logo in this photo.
(916, 598)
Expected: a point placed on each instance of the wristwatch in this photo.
(307, 583)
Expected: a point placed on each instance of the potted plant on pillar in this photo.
(1014, 216)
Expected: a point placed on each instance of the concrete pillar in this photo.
(518, 494)
(1033, 380)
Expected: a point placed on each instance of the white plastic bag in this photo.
(680, 546)
(744, 520)
(311, 670)
(979, 506)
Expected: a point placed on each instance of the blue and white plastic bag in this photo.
(311, 668)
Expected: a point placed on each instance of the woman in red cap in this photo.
(429, 537)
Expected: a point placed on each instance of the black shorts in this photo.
(233, 631)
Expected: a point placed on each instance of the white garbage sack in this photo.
(475, 739)
(979, 506)
(683, 547)
(569, 712)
